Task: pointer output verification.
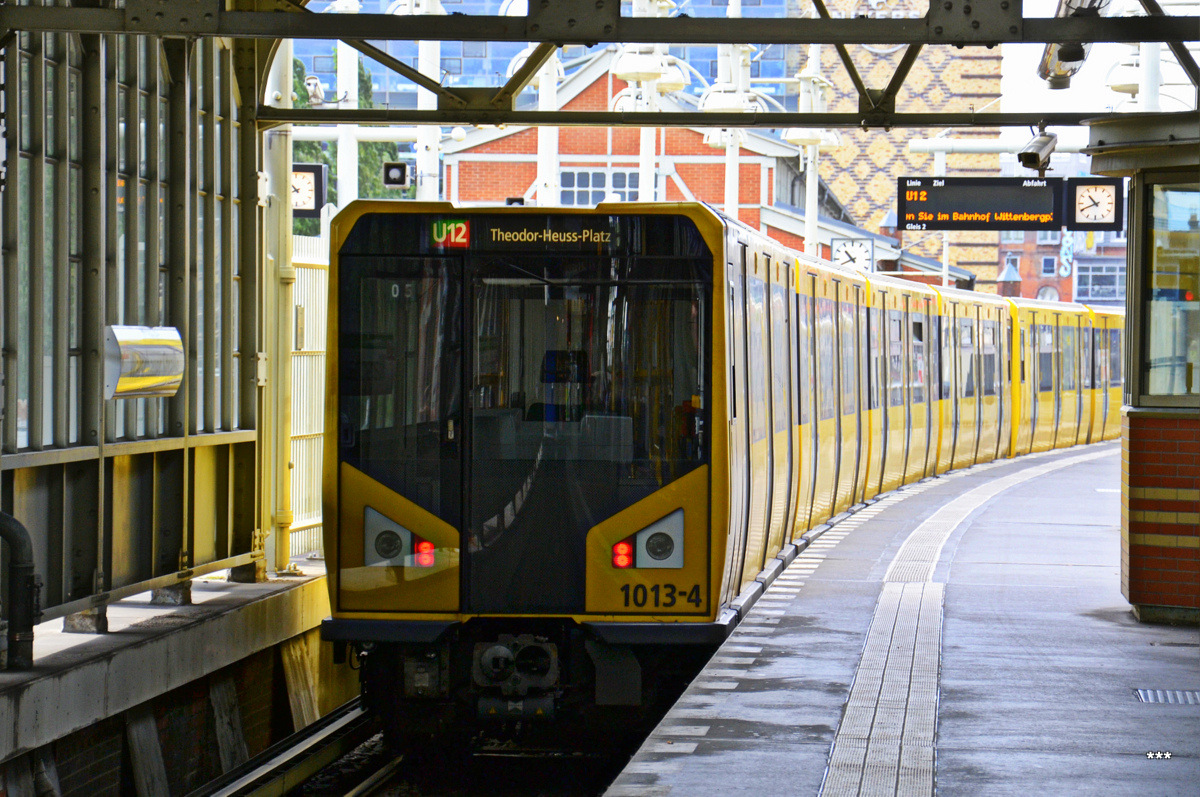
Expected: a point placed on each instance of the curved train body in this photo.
(560, 443)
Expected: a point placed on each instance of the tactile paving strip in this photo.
(885, 742)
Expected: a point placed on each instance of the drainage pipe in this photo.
(22, 592)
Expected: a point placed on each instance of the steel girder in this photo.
(953, 22)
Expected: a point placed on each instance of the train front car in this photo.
(519, 457)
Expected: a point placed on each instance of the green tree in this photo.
(373, 154)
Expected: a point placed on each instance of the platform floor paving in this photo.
(962, 636)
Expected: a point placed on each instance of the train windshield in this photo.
(524, 397)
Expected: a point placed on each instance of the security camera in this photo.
(1036, 154)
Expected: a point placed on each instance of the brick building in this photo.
(491, 165)
(1067, 266)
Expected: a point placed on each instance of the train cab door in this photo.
(739, 427)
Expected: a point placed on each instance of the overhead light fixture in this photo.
(635, 64)
(674, 77)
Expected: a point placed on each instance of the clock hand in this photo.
(295, 189)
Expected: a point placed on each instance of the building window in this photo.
(1012, 236)
(1048, 237)
(1100, 281)
(588, 187)
(1048, 293)
(324, 64)
(1048, 266)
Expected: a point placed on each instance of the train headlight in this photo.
(659, 545)
(388, 544)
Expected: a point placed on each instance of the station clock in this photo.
(308, 190)
(854, 252)
(1095, 203)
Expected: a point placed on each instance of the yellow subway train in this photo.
(561, 442)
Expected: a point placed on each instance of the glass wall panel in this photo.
(1171, 333)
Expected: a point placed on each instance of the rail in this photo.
(289, 763)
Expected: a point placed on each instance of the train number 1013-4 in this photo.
(660, 596)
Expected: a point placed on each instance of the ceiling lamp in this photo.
(802, 136)
(634, 64)
(724, 98)
(674, 77)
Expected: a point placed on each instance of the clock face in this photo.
(304, 191)
(1096, 204)
(854, 253)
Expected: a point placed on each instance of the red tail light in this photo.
(622, 554)
(424, 557)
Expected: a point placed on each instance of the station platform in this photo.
(147, 689)
(962, 636)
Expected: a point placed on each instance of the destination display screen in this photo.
(524, 232)
(980, 203)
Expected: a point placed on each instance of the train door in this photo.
(848, 395)
(918, 442)
(739, 427)
(909, 374)
(1057, 330)
(795, 433)
(759, 408)
(877, 413)
(927, 361)
(844, 324)
(1116, 383)
(1045, 417)
(780, 431)
(828, 430)
(977, 326)
(990, 385)
(1087, 377)
(1003, 374)
(862, 359)
(807, 347)
(897, 419)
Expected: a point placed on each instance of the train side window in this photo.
(826, 398)
(945, 330)
(1069, 354)
(935, 356)
(990, 361)
(917, 377)
(756, 369)
(1117, 375)
(779, 357)
(1088, 363)
(1022, 356)
(874, 373)
(733, 385)
(966, 353)
(895, 358)
(849, 360)
(804, 333)
(1045, 346)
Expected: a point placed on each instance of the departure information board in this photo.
(980, 203)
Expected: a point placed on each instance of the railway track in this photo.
(343, 754)
(289, 764)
